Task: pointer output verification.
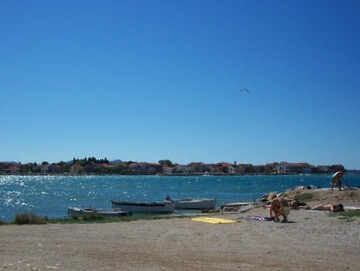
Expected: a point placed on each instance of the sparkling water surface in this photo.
(51, 195)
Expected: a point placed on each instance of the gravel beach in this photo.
(311, 240)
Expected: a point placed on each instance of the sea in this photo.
(51, 195)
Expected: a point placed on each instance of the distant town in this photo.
(94, 166)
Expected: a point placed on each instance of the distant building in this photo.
(224, 168)
(244, 168)
(294, 168)
(145, 168)
(258, 169)
(271, 168)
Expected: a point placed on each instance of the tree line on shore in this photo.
(94, 166)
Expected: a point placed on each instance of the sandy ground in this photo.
(309, 241)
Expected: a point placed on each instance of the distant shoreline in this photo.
(93, 166)
(175, 175)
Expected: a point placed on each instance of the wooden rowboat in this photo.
(196, 204)
(79, 212)
(164, 207)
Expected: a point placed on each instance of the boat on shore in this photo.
(236, 206)
(79, 212)
(195, 204)
(164, 207)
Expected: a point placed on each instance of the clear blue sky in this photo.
(151, 80)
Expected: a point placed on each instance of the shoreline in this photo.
(69, 183)
(95, 166)
(309, 241)
(354, 172)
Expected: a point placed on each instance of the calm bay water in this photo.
(51, 195)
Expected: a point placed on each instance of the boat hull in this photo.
(145, 207)
(196, 204)
(78, 212)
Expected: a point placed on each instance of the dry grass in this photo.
(29, 218)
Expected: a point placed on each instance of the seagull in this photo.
(243, 89)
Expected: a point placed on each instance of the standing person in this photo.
(336, 178)
(279, 207)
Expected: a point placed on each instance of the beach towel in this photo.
(213, 220)
(255, 217)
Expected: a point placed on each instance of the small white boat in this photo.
(164, 207)
(79, 212)
(196, 204)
